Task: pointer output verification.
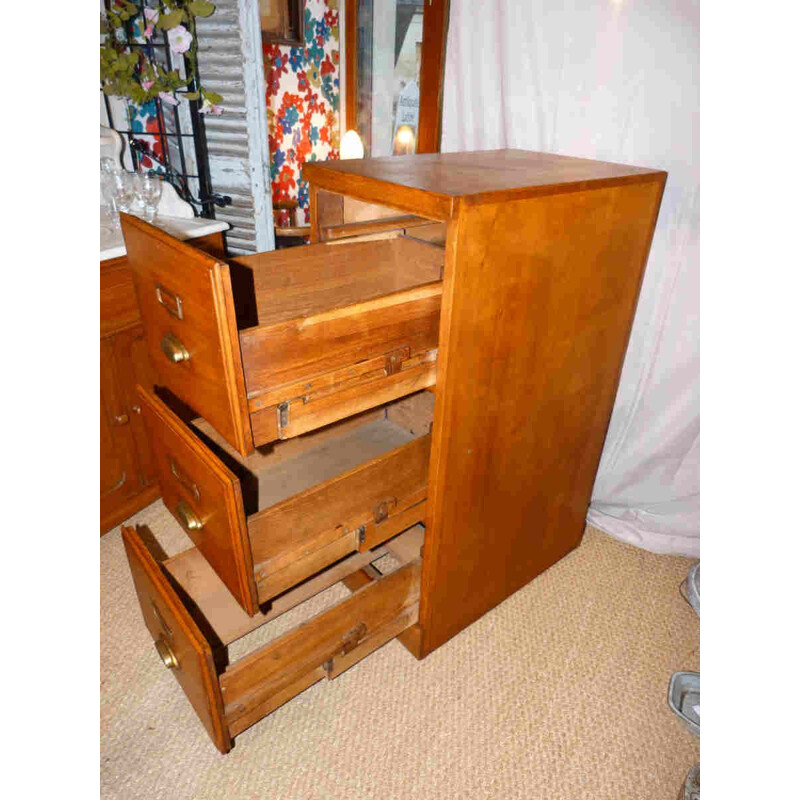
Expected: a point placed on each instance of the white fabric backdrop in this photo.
(615, 80)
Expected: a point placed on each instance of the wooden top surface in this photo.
(433, 184)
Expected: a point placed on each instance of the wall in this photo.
(303, 102)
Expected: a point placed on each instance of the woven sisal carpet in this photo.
(559, 693)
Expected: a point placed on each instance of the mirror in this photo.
(393, 84)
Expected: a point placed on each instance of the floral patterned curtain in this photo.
(303, 102)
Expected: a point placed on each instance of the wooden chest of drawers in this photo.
(502, 283)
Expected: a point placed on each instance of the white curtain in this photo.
(615, 80)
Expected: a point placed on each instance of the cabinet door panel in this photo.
(131, 350)
(119, 467)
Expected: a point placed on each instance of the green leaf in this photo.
(213, 98)
(201, 8)
(192, 95)
(172, 20)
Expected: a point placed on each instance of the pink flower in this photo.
(180, 40)
(146, 85)
(207, 108)
(168, 98)
(152, 15)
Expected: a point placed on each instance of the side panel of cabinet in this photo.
(538, 300)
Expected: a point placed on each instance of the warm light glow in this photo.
(404, 141)
(352, 146)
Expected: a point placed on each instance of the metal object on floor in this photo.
(691, 786)
(684, 699)
(690, 588)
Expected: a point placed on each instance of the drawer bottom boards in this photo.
(192, 618)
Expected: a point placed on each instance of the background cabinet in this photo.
(126, 477)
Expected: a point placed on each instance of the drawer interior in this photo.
(271, 346)
(337, 329)
(322, 277)
(315, 630)
(323, 646)
(226, 625)
(236, 669)
(345, 490)
(340, 216)
(269, 521)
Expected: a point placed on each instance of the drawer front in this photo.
(179, 642)
(204, 496)
(187, 308)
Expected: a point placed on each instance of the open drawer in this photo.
(192, 619)
(270, 346)
(346, 492)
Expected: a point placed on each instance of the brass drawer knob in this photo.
(121, 419)
(187, 517)
(165, 653)
(173, 348)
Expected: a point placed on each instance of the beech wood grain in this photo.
(434, 185)
(533, 337)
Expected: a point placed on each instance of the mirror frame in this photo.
(435, 17)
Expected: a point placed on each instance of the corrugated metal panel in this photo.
(230, 63)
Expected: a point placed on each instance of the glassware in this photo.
(107, 165)
(150, 193)
(126, 191)
(108, 190)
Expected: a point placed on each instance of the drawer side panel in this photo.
(270, 671)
